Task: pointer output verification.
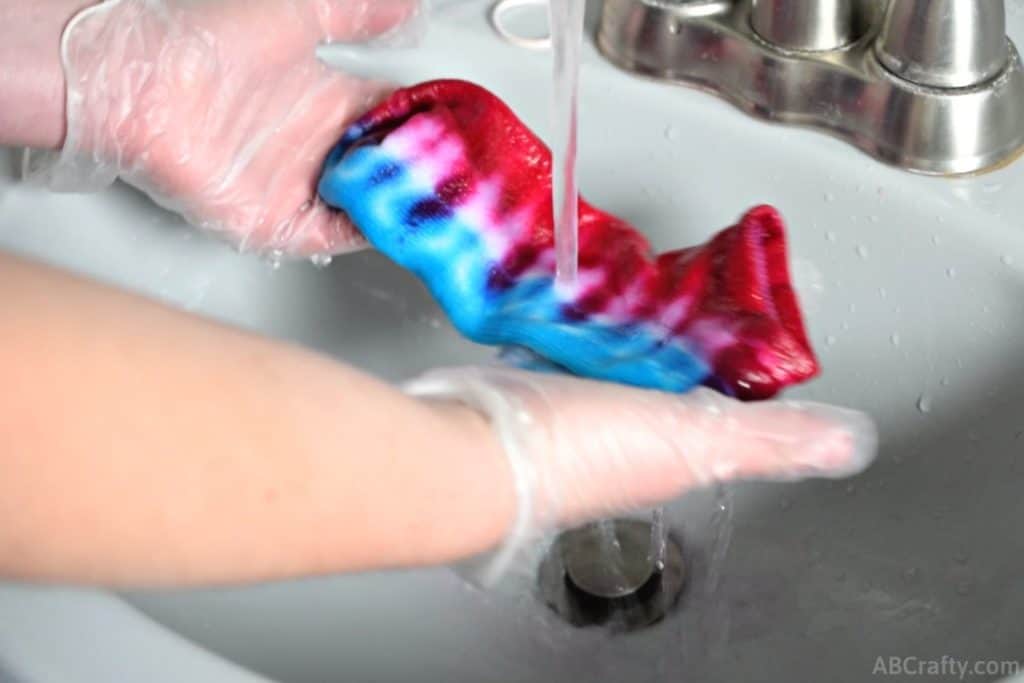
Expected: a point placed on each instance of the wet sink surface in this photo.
(914, 289)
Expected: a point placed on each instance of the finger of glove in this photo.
(599, 448)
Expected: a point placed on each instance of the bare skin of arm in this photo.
(142, 446)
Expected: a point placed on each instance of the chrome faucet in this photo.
(933, 86)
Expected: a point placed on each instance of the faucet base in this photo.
(846, 92)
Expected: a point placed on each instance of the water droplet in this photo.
(895, 338)
(831, 236)
(1007, 260)
(882, 292)
(950, 272)
(940, 219)
(830, 197)
(851, 489)
(671, 133)
(862, 251)
(944, 381)
(873, 218)
(853, 308)
(321, 260)
(924, 403)
(844, 326)
(910, 575)
(936, 240)
(675, 27)
(831, 340)
(275, 258)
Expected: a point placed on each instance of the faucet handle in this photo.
(805, 25)
(944, 43)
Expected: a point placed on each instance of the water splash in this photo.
(715, 622)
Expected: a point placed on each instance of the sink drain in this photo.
(604, 575)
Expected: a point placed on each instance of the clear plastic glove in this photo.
(582, 450)
(217, 109)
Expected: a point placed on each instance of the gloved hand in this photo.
(218, 109)
(582, 450)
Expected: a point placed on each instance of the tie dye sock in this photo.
(447, 182)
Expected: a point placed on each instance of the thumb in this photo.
(618, 448)
(359, 20)
(782, 440)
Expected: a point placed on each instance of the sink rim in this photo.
(65, 634)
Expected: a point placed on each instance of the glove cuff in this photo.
(77, 166)
(511, 423)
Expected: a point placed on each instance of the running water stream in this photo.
(567, 27)
(567, 43)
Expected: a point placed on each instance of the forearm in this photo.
(32, 88)
(142, 446)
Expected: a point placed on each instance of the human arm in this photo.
(143, 446)
(140, 445)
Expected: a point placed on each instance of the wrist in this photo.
(483, 472)
(32, 84)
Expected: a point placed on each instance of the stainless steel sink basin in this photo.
(914, 289)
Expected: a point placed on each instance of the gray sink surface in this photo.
(914, 289)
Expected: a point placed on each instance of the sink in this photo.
(914, 289)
